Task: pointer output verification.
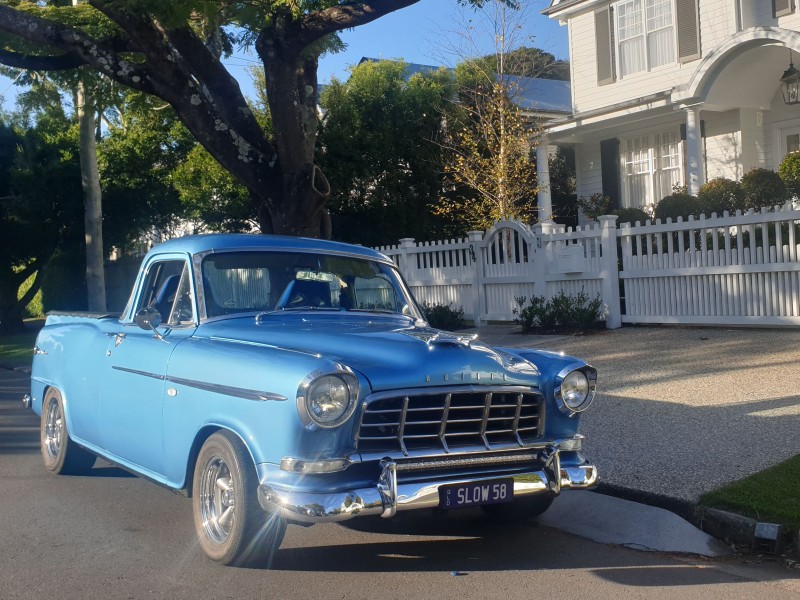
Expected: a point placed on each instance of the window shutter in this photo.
(781, 7)
(688, 30)
(609, 170)
(604, 41)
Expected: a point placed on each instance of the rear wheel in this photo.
(521, 509)
(231, 525)
(61, 455)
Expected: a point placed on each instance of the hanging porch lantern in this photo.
(790, 83)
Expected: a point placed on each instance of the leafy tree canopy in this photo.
(378, 146)
(173, 50)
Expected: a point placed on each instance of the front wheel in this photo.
(231, 525)
(61, 455)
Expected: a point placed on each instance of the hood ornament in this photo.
(437, 337)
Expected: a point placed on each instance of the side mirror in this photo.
(148, 318)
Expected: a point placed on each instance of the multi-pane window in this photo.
(651, 168)
(645, 35)
(668, 156)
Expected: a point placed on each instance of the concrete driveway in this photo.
(681, 411)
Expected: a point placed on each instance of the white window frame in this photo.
(651, 163)
(644, 36)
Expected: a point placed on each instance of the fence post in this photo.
(610, 271)
(476, 255)
(539, 263)
(404, 263)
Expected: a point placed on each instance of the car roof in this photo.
(219, 242)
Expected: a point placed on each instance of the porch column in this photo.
(543, 180)
(694, 151)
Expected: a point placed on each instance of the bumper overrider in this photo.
(394, 493)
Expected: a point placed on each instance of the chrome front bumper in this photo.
(390, 496)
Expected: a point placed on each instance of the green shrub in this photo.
(677, 204)
(594, 206)
(763, 187)
(630, 215)
(789, 172)
(560, 311)
(719, 195)
(444, 316)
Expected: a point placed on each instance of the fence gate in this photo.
(506, 270)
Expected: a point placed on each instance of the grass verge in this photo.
(770, 496)
(17, 350)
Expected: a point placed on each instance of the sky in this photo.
(429, 32)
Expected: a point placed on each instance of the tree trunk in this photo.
(296, 206)
(93, 220)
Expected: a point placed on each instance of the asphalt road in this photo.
(112, 535)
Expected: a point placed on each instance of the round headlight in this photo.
(575, 392)
(328, 400)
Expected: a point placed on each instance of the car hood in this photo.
(392, 353)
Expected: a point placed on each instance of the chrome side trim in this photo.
(225, 390)
(390, 496)
(137, 372)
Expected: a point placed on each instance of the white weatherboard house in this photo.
(668, 92)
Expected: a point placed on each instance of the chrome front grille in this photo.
(449, 419)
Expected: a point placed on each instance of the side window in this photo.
(182, 312)
(161, 288)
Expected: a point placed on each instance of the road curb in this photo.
(744, 533)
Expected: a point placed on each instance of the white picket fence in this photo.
(740, 269)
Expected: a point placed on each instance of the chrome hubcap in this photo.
(217, 500)
(53, 429)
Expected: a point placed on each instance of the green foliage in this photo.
(561, 311)
(677, 204)
(40, 206)
(488, 166)
(378, 151)
(527, 62)
(720, 195)
(763, 187)
(630, 215)
(137, 160)
(789, 171)
(594, 206)
(444, 316)
(210, 194)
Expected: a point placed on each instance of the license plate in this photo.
(476, 493)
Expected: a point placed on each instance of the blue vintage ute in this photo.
(281, 380)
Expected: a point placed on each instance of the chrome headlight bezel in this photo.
(305, 397)
(570, 407)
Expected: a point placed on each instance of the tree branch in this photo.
(62, 62)
(318, 24)
(98, 54)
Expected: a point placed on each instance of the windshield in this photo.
(237, 282)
